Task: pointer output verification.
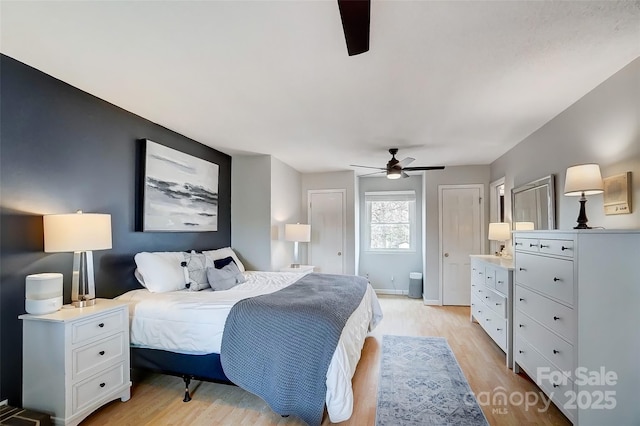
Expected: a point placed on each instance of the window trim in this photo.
(373, 196)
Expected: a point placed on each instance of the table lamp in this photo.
(298, 233)
(581, 180)
(79, 233)
(500, 231)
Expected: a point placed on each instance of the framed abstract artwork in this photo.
(179, 191)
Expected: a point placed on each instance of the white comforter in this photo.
(193, 323)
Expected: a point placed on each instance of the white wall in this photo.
(380, 267)
(335, 180)
(286, 204)
(457, 175)
(602, 127)
(251, 210)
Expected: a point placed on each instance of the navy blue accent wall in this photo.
(61, 150)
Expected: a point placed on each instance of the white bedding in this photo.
(193, 323)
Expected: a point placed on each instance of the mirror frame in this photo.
(547, 181)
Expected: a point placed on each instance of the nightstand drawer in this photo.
(98, 326)
(89, 391)
(95, 356)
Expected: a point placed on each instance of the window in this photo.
(390, 221)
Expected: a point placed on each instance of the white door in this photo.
(461, 231)
(327, 218)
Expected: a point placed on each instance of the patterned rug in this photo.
(421, 384)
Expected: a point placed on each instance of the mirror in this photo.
(534, 203)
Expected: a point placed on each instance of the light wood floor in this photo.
(157, 399)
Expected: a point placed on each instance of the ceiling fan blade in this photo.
(374, 173)
(355, 15)
(406, 161)
(404, 175)
(410, 169)
(367, 167)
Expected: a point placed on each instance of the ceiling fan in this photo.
(396, 169)
(355, 15)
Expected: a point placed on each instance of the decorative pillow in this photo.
(222, 253)
(196, 271)
(160, 272)
(221, 263)
(225, 278)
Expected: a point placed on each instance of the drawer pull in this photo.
(555, 385)
(521, 269)
(488, 277)
(101, 325)
(543, 246)
(101, 353)
(486, 297)
(556, 318)
(533, 245)
(487, 319)
(521, 299)
(498, 329)
(520, 325)
(563, 248)
(473, 269)
(521, 351)
(518, 244)
(473, 285)
(556, 351)
(103, 384)
(500, 282)
(481, 273)
(498, 304)
(556, 279)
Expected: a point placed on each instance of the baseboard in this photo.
(391, 291)
(432, 302)
(5, 402)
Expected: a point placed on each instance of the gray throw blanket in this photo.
(279, 346)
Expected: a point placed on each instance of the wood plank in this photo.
(157, 399)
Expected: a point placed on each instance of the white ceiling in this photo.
(448, 82)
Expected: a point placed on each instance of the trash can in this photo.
(415, 285)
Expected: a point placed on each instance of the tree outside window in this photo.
(391, 220)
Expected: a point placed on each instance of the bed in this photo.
(181, 332)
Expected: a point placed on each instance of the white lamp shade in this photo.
(297, 232)
(77, 232)
(525, 226)
(583, 178)
(499, 231)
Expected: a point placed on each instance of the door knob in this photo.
(339, 253)
(446, 255)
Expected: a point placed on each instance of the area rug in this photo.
(421, 384)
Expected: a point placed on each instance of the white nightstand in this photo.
(303, 269)
(76, 360)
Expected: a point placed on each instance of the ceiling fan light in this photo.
(394, 173)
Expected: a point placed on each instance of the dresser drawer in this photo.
(477, 272)
(496, 328)
(555, 316)
(98, 326)
(526, 244)
(95, 356)
(549, 345)
(490, 277)
(478, 308)
(502, 281)
(87, 392)
(557, 247)
(559, 389)
(551, 276)
(497, 302)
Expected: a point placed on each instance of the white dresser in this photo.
(577, 321)
(76, 360)
(491, 296)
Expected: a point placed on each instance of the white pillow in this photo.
(161, 271)
(197, 264)
(222, 253)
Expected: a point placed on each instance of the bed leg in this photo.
(187, 380)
